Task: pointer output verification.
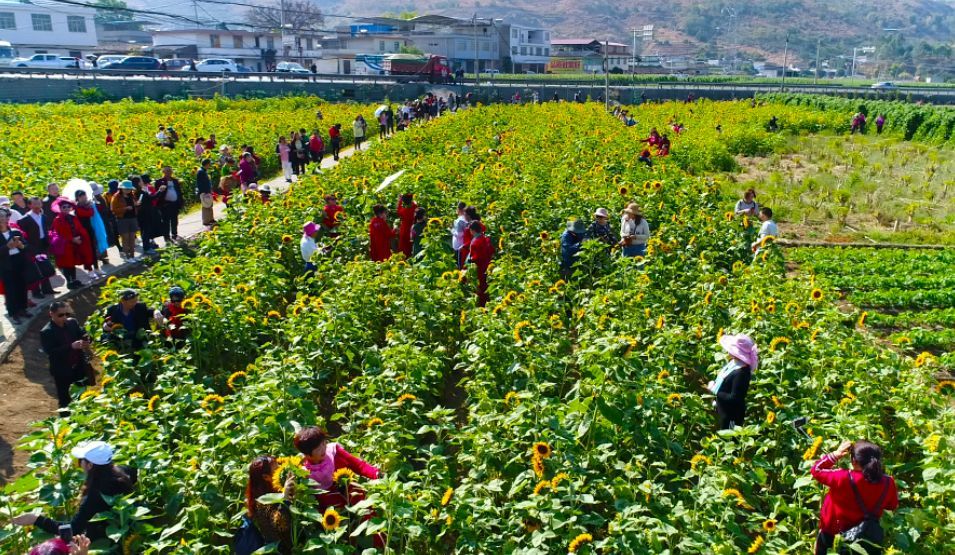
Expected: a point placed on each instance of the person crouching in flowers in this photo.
(732, 382)
(323, 459)
(273, 521)
(855, 496)
(169, 316)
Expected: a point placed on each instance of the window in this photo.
(523, 51)
(381, 46)
(76, 23)
(546, 36)
(270, 43)
(258, 40)
(214, 41)
(237, 41)
(514, 33)
(514, 51)
(397, 46)
(547, 51)
(7, 21)
(309, 43)
(42, 22)
(485, 46)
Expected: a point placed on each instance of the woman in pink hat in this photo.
(77, 249)
(732, 382)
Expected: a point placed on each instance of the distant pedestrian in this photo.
(284, 152)
(879, 124)
(380, 235)
(15, 258)
(417, 230)
(308, 246)
(457, 235)
(747, 205)
(570, 242)
(335, 138)
(204, 192)
(316, 147)
(125, 208)
(480, 252)
(406, 211)
(75, 247)
(170, 201)
(359, 126)
(36, 225)
(732, 383)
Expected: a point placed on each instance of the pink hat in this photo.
(57, 205)
(742, 348)
(56, 546)
(309, 228)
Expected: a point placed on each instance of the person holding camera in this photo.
(856, 499)
(634, 232)
(103, 479)
(66, 343)
(13, 266)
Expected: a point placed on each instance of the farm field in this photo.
(565, 416)
(904, 296)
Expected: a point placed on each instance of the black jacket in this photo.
(57, 344)
(203, 183)
(5, 251)
(28, 225)
(171, 182)
(90, 506)
(141, 318)
(731, 397)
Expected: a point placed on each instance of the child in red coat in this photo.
(480, 254)
(406, 211)
(380, 235)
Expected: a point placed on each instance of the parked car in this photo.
(245, 69)
(884, 86)
(216, 65)
(491, 72)
(290, 67)
(175, 64)
(132, 63)
(46, 61)
(108, 59)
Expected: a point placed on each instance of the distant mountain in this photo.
(907, 32)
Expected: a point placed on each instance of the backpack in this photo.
(247, 539)
(868, 533)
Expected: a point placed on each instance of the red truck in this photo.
(433, 68)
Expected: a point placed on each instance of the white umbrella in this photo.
(389, 180)
(74, 185)
(379, 110)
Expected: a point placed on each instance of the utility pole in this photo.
(785, 63)
(477, 73)
(815, 75)
(195, 11)
(606, 76)
(633, 54)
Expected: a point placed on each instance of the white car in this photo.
(215, 65)
(884, 86)
(46, 61)
(290, 67)
(108, 59)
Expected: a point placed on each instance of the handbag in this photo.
(248, 538)
(47, 269)
(868, 533)
(57, 243)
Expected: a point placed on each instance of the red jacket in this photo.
(467, 239)
(406, 215)
(68, 227)
(840, 510)
(380, 236)
(330, 221)
(481, 252)
(334, 133)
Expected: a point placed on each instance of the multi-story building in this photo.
(525, 49)
(41, 27)
(587, 55)
(257, 50)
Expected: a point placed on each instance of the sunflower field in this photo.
(55, 142)
(562, 417)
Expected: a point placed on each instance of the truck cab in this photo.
(7, 53)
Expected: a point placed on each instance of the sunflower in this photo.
(740, 500)
(577, 542)
(217, 270)
(152, 403)
(541, 485)
(282, 465)
(61, 436)
(756, 545)
(510, 398)
(111, 280)
(657, 185)
(331, 520)
(537, 464)
(769, 525)
(660, 322)
(776, 342)
(517, 331)
(673, 399)
(212, 403)
(699, 458)
(931, 443)
(557, 479)
(706, 299)
(810, 453)
(945, 387)
(544, 236)
(405, 397)
(136, 395)
(792, 307)
(235, 376)
(446, 498)
(273, 314)
(770, 417)
(662, 376)
(815, 332)
(902, 339)
(542, 450)
(286, 238)
(344, 474)
(623, 191)
(372, 422)
(107, 380)
(816, 294)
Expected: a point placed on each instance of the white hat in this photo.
(4, 200)
(602, 213)
(96, 452)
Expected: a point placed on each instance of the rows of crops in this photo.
(606, 371)
(907, 296)
(54, 142)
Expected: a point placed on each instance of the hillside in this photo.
(760, 26)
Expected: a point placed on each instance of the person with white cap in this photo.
(599, 229)
(308, 245)
(634, 231)
(732, 383)
(14, 215)
(103, 479)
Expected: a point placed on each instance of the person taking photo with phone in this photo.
(66, 343)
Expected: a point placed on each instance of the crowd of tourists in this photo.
(75, 232)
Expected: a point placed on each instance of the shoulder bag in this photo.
(868, 533)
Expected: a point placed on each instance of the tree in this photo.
(293, 14)
(411, 50)
(112, 10)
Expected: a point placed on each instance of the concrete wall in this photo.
(56, 89)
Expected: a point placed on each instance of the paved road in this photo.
(190, 226)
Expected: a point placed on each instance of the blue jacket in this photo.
(569, 247)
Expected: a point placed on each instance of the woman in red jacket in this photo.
(406, 211)
(865, 489)
(480, 252)
(470, 215)
(380, 235)
(78, 249)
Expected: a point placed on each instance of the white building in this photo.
(528, 48)
(257, 50)
(43, 27)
